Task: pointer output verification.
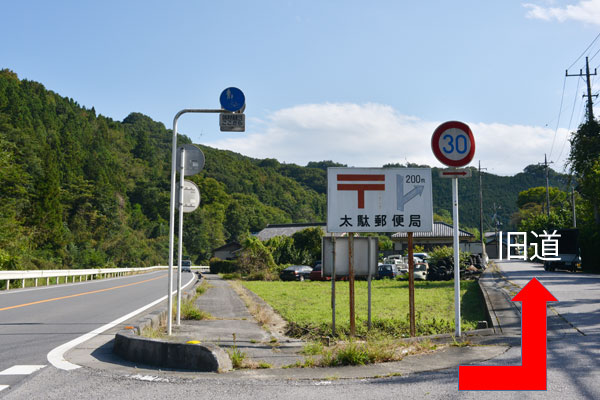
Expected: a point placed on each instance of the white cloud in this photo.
(371, 135)
(587, 11)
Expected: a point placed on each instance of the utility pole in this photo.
(481, 234)
(590, 103)
(547, 189)
(497, 224)
(573, 206)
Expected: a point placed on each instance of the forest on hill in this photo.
(80, 190)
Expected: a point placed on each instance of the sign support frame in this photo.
(351, 283)
(332, 286)
(411, 284)
(455, 240)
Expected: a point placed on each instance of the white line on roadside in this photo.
(21, 369)
(2, 387)
(56, 355)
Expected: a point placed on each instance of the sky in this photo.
(360, 83)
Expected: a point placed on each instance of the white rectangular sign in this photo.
(365, 253)
(455, 173)
(379, 200)
(232, 122)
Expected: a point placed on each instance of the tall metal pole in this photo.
(457, 331)
(180, 249)
(172, 225)
(172, 210)
(481, 234)
(573, 207)
(547, 190)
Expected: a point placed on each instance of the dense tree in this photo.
(80, 190)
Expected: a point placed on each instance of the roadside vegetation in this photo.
(353, 352)
(306, 306)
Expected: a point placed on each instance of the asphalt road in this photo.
(573, 365)
(35, 321)
(578, 294)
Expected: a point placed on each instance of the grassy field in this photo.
(307, 306)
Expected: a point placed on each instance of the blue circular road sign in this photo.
(232, 99)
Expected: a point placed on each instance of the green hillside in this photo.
(79, 190)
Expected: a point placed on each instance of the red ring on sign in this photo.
(435, 140)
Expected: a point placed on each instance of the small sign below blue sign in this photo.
(232, 99)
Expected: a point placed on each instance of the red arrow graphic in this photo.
(454, 173)
(531, 374)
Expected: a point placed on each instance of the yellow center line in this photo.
(77, 295)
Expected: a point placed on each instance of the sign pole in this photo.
(351, 282)
(180, 248)
(369, 285)
(411, 284)
(456, 257)
(332, 286)
(453, 144)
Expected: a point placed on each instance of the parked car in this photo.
(420, 271)
(422, 256)
(296, 273)
(387, 271)
(569, 257)
(186, 266)
(317, 273)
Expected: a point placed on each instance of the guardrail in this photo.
(72, 274)
(82, 274)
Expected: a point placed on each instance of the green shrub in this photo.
(231, 276)
(218, 266)
(446, 253)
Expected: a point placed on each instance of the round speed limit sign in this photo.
(453, 144)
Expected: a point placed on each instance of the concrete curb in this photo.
(490, 314)
(130, 346)
(204, 358)
(504, 314)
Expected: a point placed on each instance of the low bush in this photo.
(218, 266)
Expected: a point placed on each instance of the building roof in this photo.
(273, 230)
(229, 246)
(440, 230)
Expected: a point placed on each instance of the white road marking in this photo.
(21, 369)
(149, 378)
(2, 387)
(56, 355)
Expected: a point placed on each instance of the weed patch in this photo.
(191, 312)
(158, 332)
(202, 288)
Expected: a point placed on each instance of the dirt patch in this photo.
(261, 311)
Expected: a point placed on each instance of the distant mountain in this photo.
(79, 190)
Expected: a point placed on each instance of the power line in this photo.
(559, 114)
(595, 54)
(582, 54)
(576, 97)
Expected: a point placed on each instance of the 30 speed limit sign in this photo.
(453, 144)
